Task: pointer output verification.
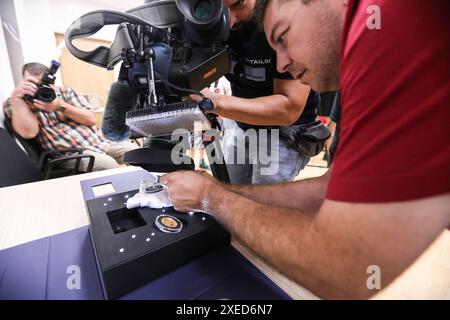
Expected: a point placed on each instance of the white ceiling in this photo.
(118, 4)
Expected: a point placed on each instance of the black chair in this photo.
(15, 166)
(51, 163)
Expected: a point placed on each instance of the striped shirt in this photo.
(56, 131)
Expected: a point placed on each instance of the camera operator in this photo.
(65, 122)
(387, 196)
(261, 99)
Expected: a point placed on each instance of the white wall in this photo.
(34, 20)
(37, 21)
(69, 10)
(6, 78)
(10, 30)
(28, 27)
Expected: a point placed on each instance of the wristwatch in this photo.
(62, 108)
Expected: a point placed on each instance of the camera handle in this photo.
(152, 97)
(147, 55)
(218, 168)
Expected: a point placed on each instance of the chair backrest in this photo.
(30, 145)
(16, 167)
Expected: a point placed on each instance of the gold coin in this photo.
(169, 222)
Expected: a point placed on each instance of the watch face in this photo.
(168, 224)
(154, 188)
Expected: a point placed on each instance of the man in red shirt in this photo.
(387, 196)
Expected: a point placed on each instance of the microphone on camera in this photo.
(121, 99)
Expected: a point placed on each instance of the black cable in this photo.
(173, 86)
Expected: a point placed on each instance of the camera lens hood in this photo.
(204, 14)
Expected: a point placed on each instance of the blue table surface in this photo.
(44, 269)
(63, 266)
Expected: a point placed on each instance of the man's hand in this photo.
(79, 115)
(214, 96)
(48, 106)
(281, 108)
(27, 86)
(188, 190)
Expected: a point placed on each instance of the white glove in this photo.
(152, 195)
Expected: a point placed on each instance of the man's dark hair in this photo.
(260, 12)
(34, 68)
(261, 8)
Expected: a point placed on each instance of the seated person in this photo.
(66, 122)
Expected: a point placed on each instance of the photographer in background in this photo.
(65, 122)
(262, 99)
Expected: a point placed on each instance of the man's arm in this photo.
(328, 253)
(79, 115)
(331, 253)
(283, 108)
(305, 195)
(23, 118)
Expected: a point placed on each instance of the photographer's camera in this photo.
(44, 92)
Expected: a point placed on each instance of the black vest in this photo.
(253, 69)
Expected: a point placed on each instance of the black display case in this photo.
(131, 249)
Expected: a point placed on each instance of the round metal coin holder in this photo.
(167, 229)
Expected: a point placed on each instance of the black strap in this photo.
(158, 14)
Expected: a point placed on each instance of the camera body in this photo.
(167, 48)
(177, 71)
(44, 92)
(190, 58)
